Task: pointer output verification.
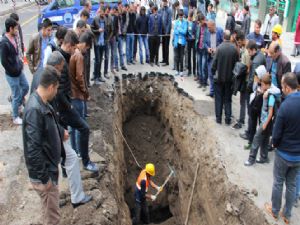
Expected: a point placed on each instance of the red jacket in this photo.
(297, 34)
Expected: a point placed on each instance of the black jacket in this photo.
(115, 26)
(63, 97)
(224, 61)
(10, 58)
(42, 139)
(142, 24)
(257, 60)
(230, 23)
(131, 23)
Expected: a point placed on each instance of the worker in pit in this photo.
(141, 189)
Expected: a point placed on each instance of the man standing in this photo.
(286, 140)
(224, 61)
(166, 15)
(37, 45)
(256, 36)
(270, 21)
(142, 30)
(13, 66)
(247, 21)
(154, 30)
(202, 45)
(280, 64)
(42, 139)
(216, 38)
(68, 115)
(19, 38)
(120, 39)
(130, 35)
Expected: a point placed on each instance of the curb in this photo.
(8, 11)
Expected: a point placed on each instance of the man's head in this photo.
(211, 25)
(246, 9)
(88, 6)
(143, 10)
(191, 16)
(274, 50)
(70, 42)
(227, 35)
(60, 34)
(11, 26)
(257, 26)
(56, 60)
(276, 32)
(14, 16)
(165, 3)
(272, 10)
(210, 7)
(289, 83)
(102, 12)
(49, 83)
(266, 82)
(150, 169)
(125, 8)
(107, 10)
(240, 38)
(80, 27)
(180, 14)
(251, 47)
(85, 41)
(201, 19)
(154, 9)
(46, 28)
(176, 5)
(84, 15)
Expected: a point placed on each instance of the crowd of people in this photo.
(229, 60)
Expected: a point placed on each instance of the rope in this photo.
(137, 163)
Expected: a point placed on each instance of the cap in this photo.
(260, 71)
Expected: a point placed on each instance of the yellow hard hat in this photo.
(150, 169)
(277, 29)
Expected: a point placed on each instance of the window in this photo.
(94, 2)
(65, 3)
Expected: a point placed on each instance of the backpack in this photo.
(276, 106)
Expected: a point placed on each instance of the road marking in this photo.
(29, 20)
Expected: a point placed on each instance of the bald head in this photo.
(274, 50)
(211, 25)
(227, 35)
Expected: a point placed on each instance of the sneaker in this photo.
(113, 72)
(204, 88)
(124, 68)
(92, 167)
(181, 74)
(18, 121)
(106, 75)
(248, 163)
(268, 208)
(285, 220)
(177, 73)
(244, 136)
(236, 126)
(86, 199)
(262, 161)
(151, 64)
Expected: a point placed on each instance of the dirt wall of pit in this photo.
(215, 200)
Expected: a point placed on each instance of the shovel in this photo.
(172, 173)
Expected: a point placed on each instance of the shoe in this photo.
(296, 204)
(204, 88)
(17, 121)
(124, 68)
(262, 161)
(244, 136)
(196, 78)
(181, 74)
(162, 62)
(247, 147)
(177, 73)
(236, 126)
(151, 64)
(210, 95)
(133, 63)
(92, 167)
(293, 55)
(113, 72)
(218, 121)
(106, 76)
(157, 64)
(228, 122)
(142, 63)
(248, 163)
(165, 64)
(86, 199)
(268, 208)
(117, 69)
(9, 99)
(285, 220)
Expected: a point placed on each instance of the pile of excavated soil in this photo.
(6, 122)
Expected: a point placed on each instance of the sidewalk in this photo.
(6, 8)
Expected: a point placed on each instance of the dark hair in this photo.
(191, 14)
(85, 13)
(258, 22)
(200, 17)
(154, 8)
(180, 13)
(176, 4)
(251, 45)
(81, 24)
(61, 32)
(46, 23)
(290, 80)
(87, 3)
(10, 22)
(246, 8)
(277, 47)
(49, 76)
(87, 37)
(143, 8)
(240, 35)
(151, 4)
(14, 16)
(298, 76)
(126, 5)
(211, 5)
(71, 38)
(266, 79)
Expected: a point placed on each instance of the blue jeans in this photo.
(119, 50)
(79, 106)
(129, 47)
(202, 66)
(210, 77)
(298, 185)
(284, 171)
(19, 88)
(143, 40)
(113, 51)
(99, 52)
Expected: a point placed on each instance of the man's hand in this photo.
(153, 198)
(159, 188)
(264, 126)
(101, 30)
(66, 135)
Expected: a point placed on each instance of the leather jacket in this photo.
(42, 140)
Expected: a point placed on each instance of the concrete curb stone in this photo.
(8, 11)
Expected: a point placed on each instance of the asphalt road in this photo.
(28, 20)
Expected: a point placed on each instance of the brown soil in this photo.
(6, 122)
